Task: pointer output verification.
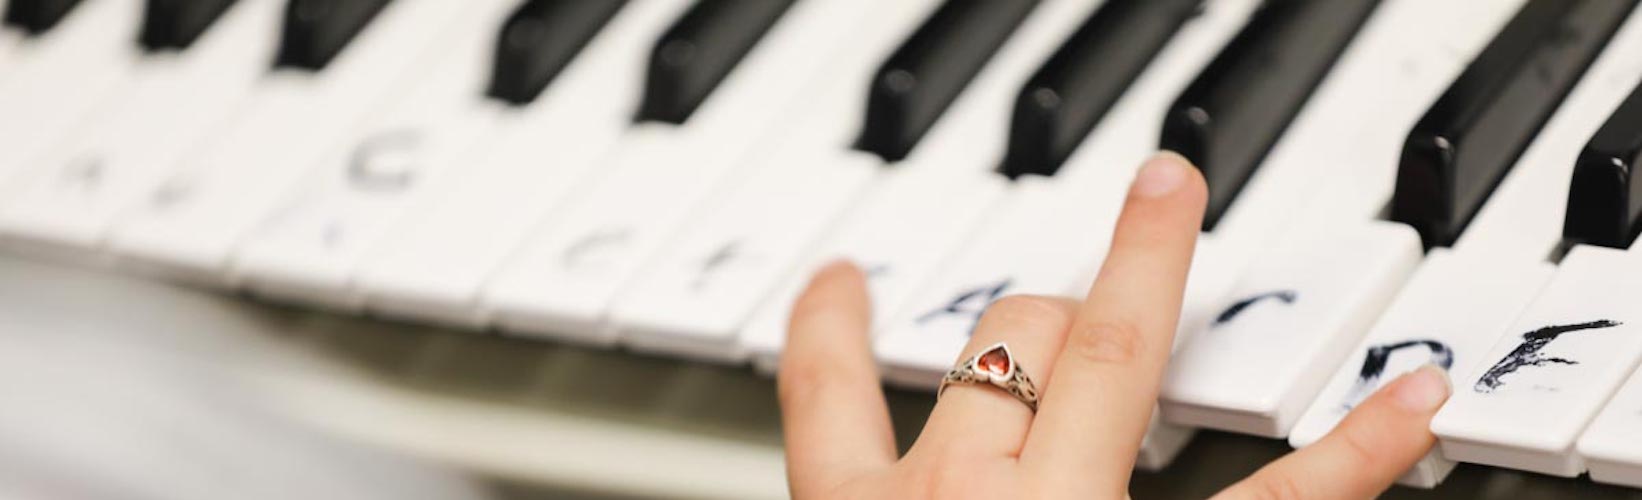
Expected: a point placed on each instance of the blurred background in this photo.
(511, 249)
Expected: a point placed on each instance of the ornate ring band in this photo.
(995, 366)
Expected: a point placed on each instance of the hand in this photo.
(1097, 364)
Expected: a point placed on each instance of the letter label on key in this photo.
(1237, 308)
(1368, 379)
(386, 162)
(587, 250)
(721, 258)
(969, 305)
(173, 192)
(875, 270)
(1528, 353)
(84, 174)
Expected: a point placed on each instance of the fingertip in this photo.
(1168, 196)
(837, 283)
(1376, 443)
(1168, 155)
(1421, 391)
(1168, 173)
(835, 296)
(840, 269)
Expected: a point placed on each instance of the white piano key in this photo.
(1609, 445)
(1338, 160)
(89, 55)
(1529, 225)
(433, 267)
(693, 301)
(1449, 313)
(15, 47)
(1302, 304)
(1524, 404)
(1209, 384)
(309, 248)
(1162, 443)
(1440, 40)
(767, 222)
(896, 233)
(1612, 446)
(64, 203)
(921, 343)
(1310, 194)
(1503, 250)
(964, 145)
(310, 245)
(1027, 243)
(187, 227)
(563, 281)
(1254, 392)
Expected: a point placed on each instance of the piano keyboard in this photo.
(1393, 182)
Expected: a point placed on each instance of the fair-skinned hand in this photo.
(1097, 365)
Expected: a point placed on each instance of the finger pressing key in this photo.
(1375, 444)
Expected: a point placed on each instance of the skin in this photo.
(1098, 364)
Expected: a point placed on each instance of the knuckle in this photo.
(1359, 446)
(1107, 342)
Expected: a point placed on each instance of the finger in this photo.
(1096, 410)
(833, 414)
(981, 420)
(1369, 450)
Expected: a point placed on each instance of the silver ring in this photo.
(994, 366)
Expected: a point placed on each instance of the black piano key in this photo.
(922, 78)
(175, 24)
(316, 30)
(1605, 197)
(1228, 119)
(1078, 85)
(1476, 131)
(540, 39)
(37, 16)
(699, 50)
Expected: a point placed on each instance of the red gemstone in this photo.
(995, 361)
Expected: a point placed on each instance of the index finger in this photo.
(833, 415)
(1095, 411)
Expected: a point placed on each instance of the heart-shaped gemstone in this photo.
(995, 361)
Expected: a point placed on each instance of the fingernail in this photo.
(1423, 390)
(1163, 174)
(838, 265)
